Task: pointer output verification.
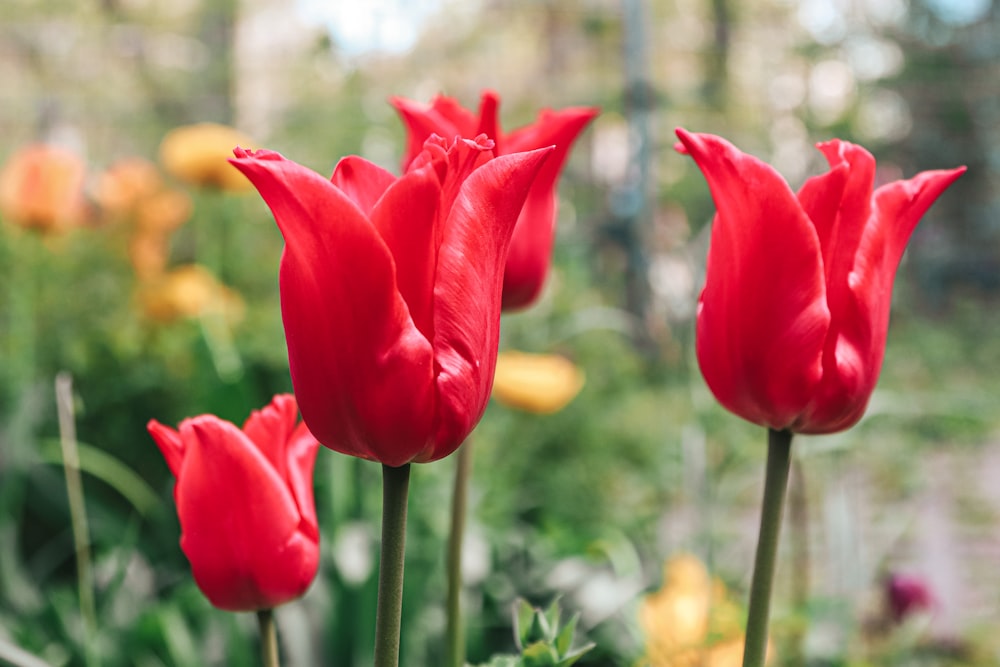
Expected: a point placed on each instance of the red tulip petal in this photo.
(240, 524)
(405, 218)
(854, 359)
(351, 341)
(362, 181)
(840, 224)
(449, 113)
(468, 289)
(531, 248)
(301, 450)
(270, 427)
(453, 161)
(489, 124)
(759, 341)
(170, 443)
(444, 117)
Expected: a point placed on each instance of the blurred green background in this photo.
(587, 503)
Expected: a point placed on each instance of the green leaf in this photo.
(568, 660)
(109, 470)
(524, 614)
(552, 617)
(564, 639)
(539, 654)
(539, 629)
(501, 661)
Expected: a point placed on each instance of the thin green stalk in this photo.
(455, 633)
(77, 514)
(779, 448)
(268, 638)
(388, 614)
(798, 524)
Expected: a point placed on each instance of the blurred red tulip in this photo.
(245, 503)
(907, 595)
(531, 248)
(792, 321)
(41, 187)
(390, 291)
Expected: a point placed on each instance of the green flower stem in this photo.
(77, 514)
(268, 638)
(388, 614)
(779, 448)
(455, 633)
(798, 525)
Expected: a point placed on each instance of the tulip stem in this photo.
(779, 448)
(268, 638)
(459, 500)
(388, 614)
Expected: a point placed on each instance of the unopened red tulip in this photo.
(531, 249)
(792, 321)
(245, 503)
(390, 291)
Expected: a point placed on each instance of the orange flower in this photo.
(41, 187)
(148, 254)
(540, 383)
(126, 183)
(162, 212)
(189, 291)
(199, 154)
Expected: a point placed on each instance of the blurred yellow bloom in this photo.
(189, 292)
(41, 187)
(541, 383)
(126, 183)
(690, 621)
(198, 154)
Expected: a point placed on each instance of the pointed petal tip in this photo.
(687, 140)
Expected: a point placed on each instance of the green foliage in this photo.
(540, 639)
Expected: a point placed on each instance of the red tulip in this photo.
(245, 503)
(792, 321)
(531, 249)
(390, 291)
(907, 595)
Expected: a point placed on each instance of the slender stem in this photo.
(389, 612)
(779, 447)
(798, 525)
(459, 500)
(268, 638)
(77, 513)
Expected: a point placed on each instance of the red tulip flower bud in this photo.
(531, 248)
(245, 503)
(390, 291)
(792, 321)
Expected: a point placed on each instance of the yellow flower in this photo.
(189, 292)
(690, 621)
(41, 187)
(199, 154)
(541, 383)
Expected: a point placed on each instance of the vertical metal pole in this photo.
(635, 206)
